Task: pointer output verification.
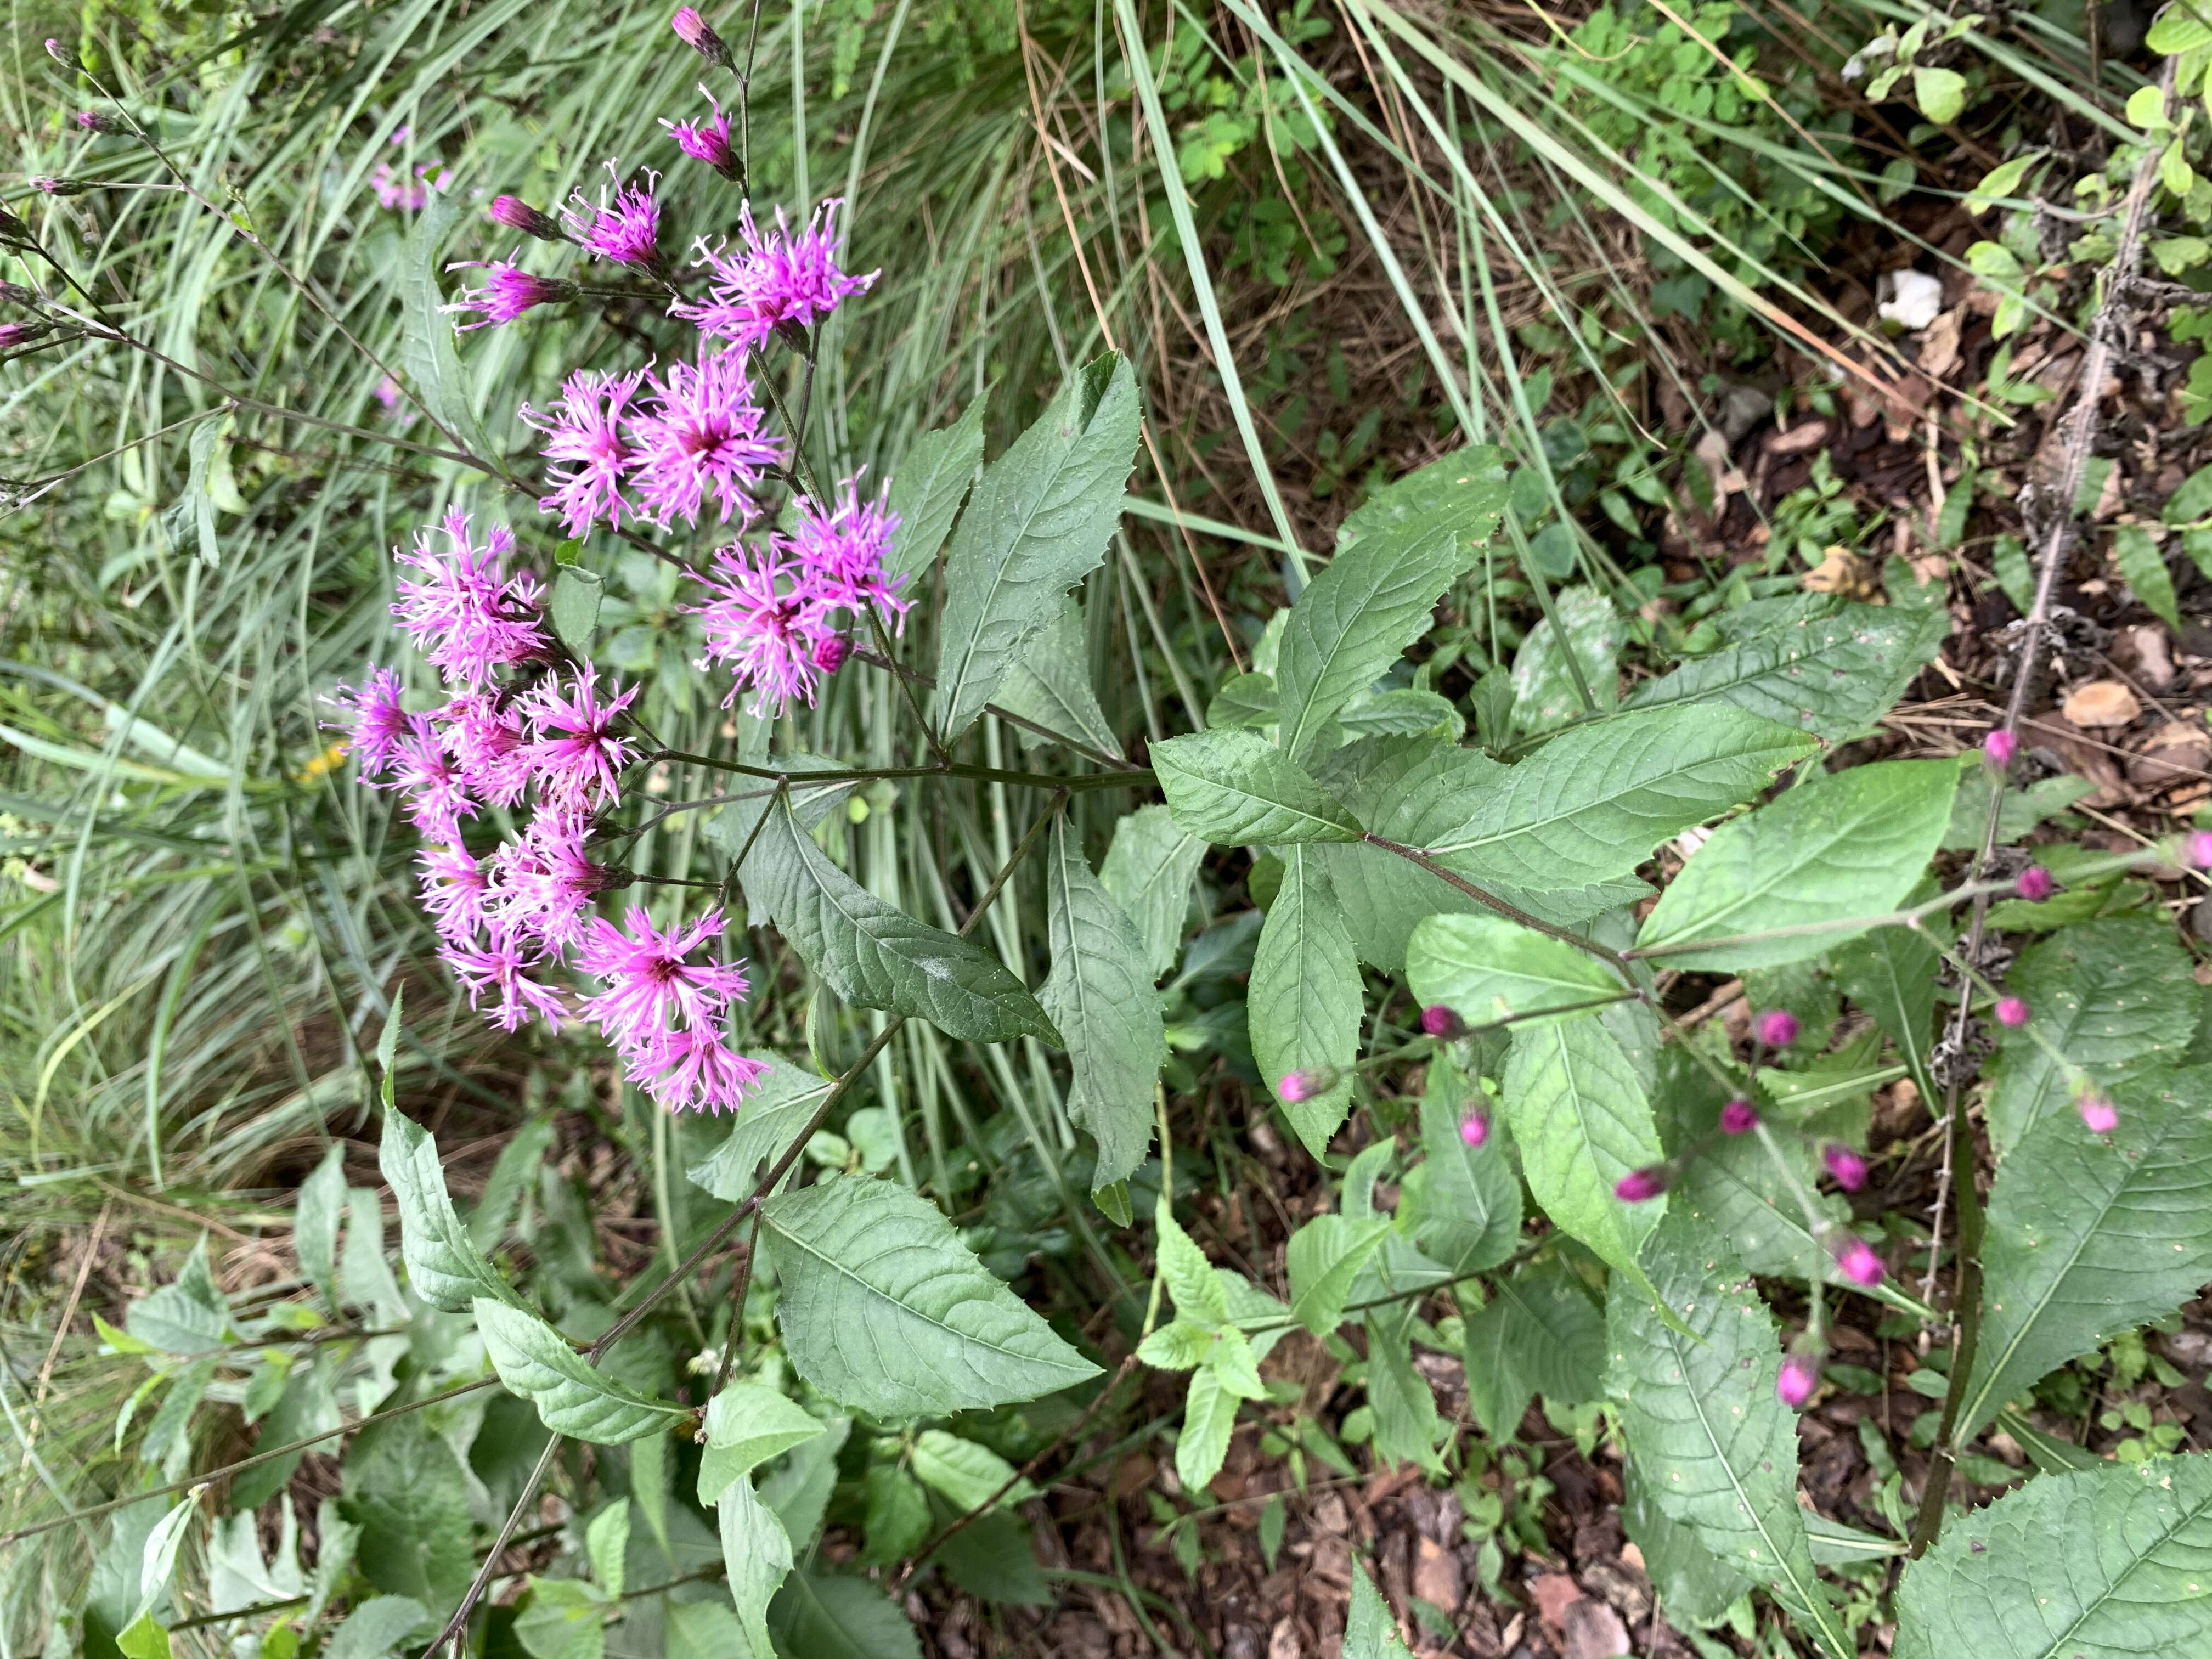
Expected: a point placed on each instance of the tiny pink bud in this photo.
(1639, 1186)
(1297, 1086)
(1738, 1117)
(831, 653)
(60, 186)
(518, 215)
(693, 31)
(1439, 1021)
(2000, 745)
(93, 120)
(1777, 1028)
(1474, 1127)
(2012, 1010)
(1859, 1262)
(1800, 1375)
(2099, 1113)
(1849, 1169)
(2035, 885)
(2200, 849)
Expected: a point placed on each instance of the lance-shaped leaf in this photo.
(884, 1310)
(1209, 1418)
(1304, 999)
(875, 954)
(746, 1425)
(1470, 1202)
(927, 490)
(966, 1474)
(2107, 1564)
(1581, 1120)
(839, 1615)
(315, 1223)
(1100, 995)
(1716, 1451)
(2090, 1236)
(1486, 969)
(1385, 897)
(1235, 788)
(447, 1269)
(1891, 973)
(433, 367)
(756, 1556)
(1037, 524)
(535, 1361)
(1049, 683)
(1149, 868)
(1692, 1583)
(1824, 854)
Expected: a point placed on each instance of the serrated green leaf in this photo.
(447, 1269)
(1555, 1331)
(606, 1542)
(1177, 1347)
(1038, 523)
(1245, 700)
(884, 1310)
(1209, 1418)
(1580, 1117)
(563, 1619)
(1400, 711)
(315, 1223)
(933, 479)
(1470, 1210)
(1694, 1585)
(833, 1615)
(756, 1556)
(1716, 1449)
(994, 1560)
(1486, 969)
(1404, 1406)
(965, 1473)
(536, 1362)
(2143, 566)
(875, 954)
(1196, 1290)
(2091, 1235)
(1049, 683)
(1149, 869)
(380, 1626)
(1497, 1393)
(800, 1487)
(1822, 665)
(1733, 1185)
(705, 1630)
(1324, 1257)
(1100, 997)
(1832, 851)
(406, 1492)
(896, 1522)
(769, 1119)
(1891, 973)
(1306, 999)
(1369, 1632)
(1233, 788)
(746, 1425)
(1358, 617)
(2107, 1564)
(2113, 996)
(1384, 897)
(433, 371)
(1545, 692)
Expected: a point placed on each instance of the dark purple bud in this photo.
(831, 654)
(21, 334)
(1441, 1022)
(93, 120)
(1849, 1169)
(14, 233)
(2012, 1010)
(1857, 1260)
(1474, 1127)
(1800, 1375)
(2035, 885)
(1777, 1028)
(1738, 1117)
(1640, 1186)
(518, 215)
(694, 32)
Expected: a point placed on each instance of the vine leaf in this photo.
(1038, 523)
(2109, 1562)
(876, 956)
(447, 1269)
(884, 1310)
(1304, 999)
(1484, 968)
(2090, 1236)
(1716, 1450)
(1233, 788)
(535, 1361)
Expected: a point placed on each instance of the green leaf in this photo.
(1324, 1258)
(1555, 1331)
(1829, 851)
(933, 479)
(1369, 1632)
(157, 1557)
(535, 1361)
(377, 1626)
(2192, 501)
(1827, 666)
(1197, 1291)
(1486, 969)
(1544, 694)
(746, 1425)
(833, 1615)
(2143, 566)
(800, 1487)
(1100, 997)
(1732, 1185)
(1693, 1584)
(1891, 973)
(897, 1517)
(1209, 1418)
(884, 1310)
(1245, 700)
(1403, 1404)
(1306, 999)
(876, 956)
(1233, 788)
(1941, 94)
(1039, 522)
(1497, 1393)
(1177, 1346)
(1377, 597)
(2001, 181)
(994, 1560)
(769, 1120)
(705, 1630)
(606, 1541)
(447, 1269)
(1579, 1115)
(2091, 1235)
(1049, 683)
(433, 370)
(2108, 1563)
(756, 1556)
(563, 1619)
(1384, 897)
(315, 1222)
(2112, 995)
(574, 607)
(1716, 1451)
(2178, 29)
(1149, 869)
(407, 1491)
(967, 1474)
(1401, 711)
(1470, 1209)
(143, 1639)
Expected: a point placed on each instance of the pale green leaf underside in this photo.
(1149, 869)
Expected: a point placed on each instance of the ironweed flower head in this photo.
(1799, 1377)
(518, 215)
(693, 1070)
(831, 652)
(652, 986)
(507, 291)
(1738, 1117)
(694, 32)
(2035, 885)
(22, 334)
(626, 230)
(465, 614)
(1299, 1086)
(452, 887)
(2012, 1010)
(697, 435)
(483, 734)
(2099, 1114)
(99, 121)
(376, 724)
(2000, 745)
(573, 757)
(764, 622)
(1777, 1028)
(543, 883)
(1849, 1169)
(52, 186)
(843, 550)
(2200, 849)
(437, 799)
(783, 279)
(500, 969)
(1441, 1023)
(584, 431)
(396, 190)
(1641, 1186)
(707, 141)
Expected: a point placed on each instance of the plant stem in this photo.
(456, 1628)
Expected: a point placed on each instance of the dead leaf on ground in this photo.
(1842, 571)
(2096, 703)
(2176, 753)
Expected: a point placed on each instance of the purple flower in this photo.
(651, 987)
(1738, 1117)
(452, 887)
(374, 721)
(693, 1070)
(1474, 1127)
(785, 279)
(2099, 1114)
(843, 550)
(1298, 1086)
(699, 435)
(518, 215)
(707, 141)
(1800, 1375)
(484, 736)
(52, 186)
(396, 190)
(465, 613)
(573, 754)
(693, 31)
(2035, 885)
(626, 230)
(543, 883)
(2000, 745)
(508, 291)
(437, 799)
(500, 969)
(764, 622)
(1439, 1022)
(1640, 1186)
(1777, 1028)
(1849, 1169)
(585, 429)
(1859, 1262)
(2012, 1010)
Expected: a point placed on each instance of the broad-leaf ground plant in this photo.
(1462, 998)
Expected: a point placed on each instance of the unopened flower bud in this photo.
(1441, 1023)
(14, 233)
(21, 334)
(1640, 1186)
(2000, 745)
(99, 121)
(16, 293)
(61, 55)
(61, 186)
(1297, 1086)
(1857, 1260)
(1777, 1028)
(2012, 1010)
(693, 31)
(1849, 1169)
(1738, 1117)
(518, 215)
(1800, 1375)
(1474, 1127)
(831, 654)
(2035, 885)
(2200, 849)
(2099, 1114)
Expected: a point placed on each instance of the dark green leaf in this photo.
(574, 607)
(1049, 683)
(1306, 999)
(994, 1560)
(1235, 788)
(446, 1267)
(834, 1615)
(1369, 1632)
(1323, 1258)
(931, 480)
(1470, 1208)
